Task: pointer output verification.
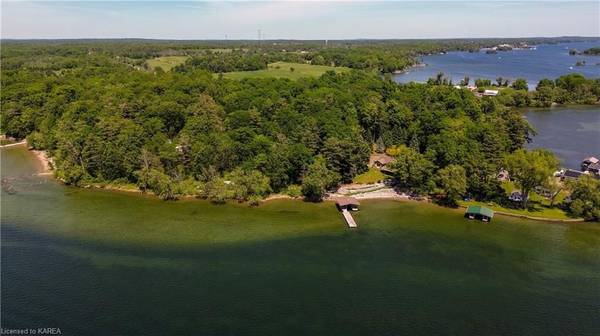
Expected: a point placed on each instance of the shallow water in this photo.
(103, 263)
(548, 61)
(572, 133)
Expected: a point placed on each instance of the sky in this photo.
(297, 20)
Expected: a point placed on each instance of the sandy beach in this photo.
(44, 161)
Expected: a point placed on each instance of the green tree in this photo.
(245, 184)
(530, 169)
(346, 157)
(585, 198)
(520, 84)
(318, 179)
(452, 180)
(412, 169)
(554, 187)
(480, 83)
(161, 184)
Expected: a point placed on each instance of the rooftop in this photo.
(480, 210)
(345, 201)
(381, 158)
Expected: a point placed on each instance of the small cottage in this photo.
(479, 212)
(380, 161)
(490, 93)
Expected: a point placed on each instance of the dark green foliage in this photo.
(585, 198)
(452, 181)
(530, 169)
(520, 84)
(104, 118)
(592, 51)
(413, 170)
(318, 179)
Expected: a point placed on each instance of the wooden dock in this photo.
(349, 220)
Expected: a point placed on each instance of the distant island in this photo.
(589, 52)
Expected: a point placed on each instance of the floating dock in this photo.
(349, 220)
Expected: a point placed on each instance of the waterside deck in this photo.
(349, 220)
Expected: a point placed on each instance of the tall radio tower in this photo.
(259, 35)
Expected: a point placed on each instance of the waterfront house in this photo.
(490, 93)
(479, 212)
(588, 161)
(380, 161)
(594, 168)
(347, 203)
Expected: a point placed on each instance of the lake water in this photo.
(104, 263)
(548, 61)
(572, 133)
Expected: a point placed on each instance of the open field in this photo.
(166, 62)
(284, 70)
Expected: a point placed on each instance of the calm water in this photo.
(102, 263)
(548, 61)
(572, 133)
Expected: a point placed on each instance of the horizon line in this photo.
(292, 39)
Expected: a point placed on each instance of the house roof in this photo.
(345, 201)
(381, 158)
(480, 210)
(594, 166)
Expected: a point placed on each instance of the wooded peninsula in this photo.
(206, 118)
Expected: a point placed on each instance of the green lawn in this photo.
(371, 176)
(283, 70)
(166, 62)
(538, 206)
(535, 210)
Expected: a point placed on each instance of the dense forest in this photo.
(189, 132)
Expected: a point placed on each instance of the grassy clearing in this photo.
(371, 176)
(284, 70)
(166, 62)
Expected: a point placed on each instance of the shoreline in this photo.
(46, 164)
(14, 144)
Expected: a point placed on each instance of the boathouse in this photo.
(479, 212)
(587, 162)
(347, 203)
